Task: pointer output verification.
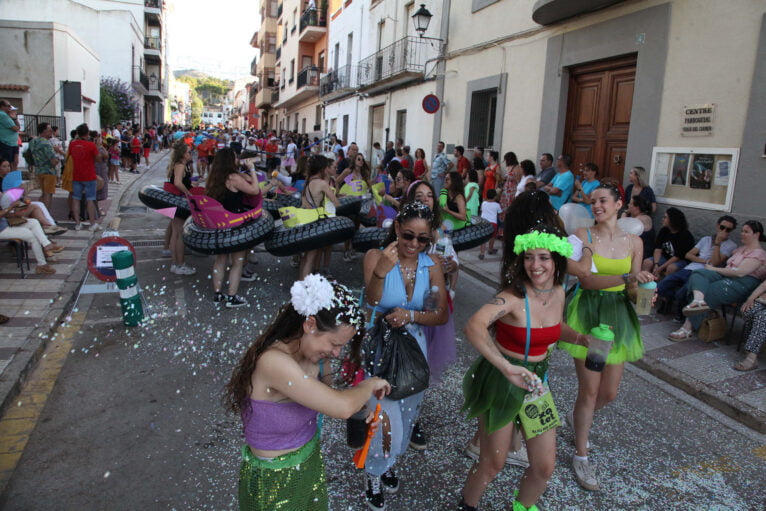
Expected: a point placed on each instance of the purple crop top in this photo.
(275, 426)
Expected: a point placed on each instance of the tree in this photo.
(107, 109)
(123, 95)
(196, 109)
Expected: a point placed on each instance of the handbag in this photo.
(394, 355)
(713, 328)
(99, 183)
(15, 221)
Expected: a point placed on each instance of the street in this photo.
(135, 419)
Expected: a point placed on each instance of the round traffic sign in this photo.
(431, 104)
(100, 256)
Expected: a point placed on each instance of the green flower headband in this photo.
(536, 239)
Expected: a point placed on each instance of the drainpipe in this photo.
(441, 69)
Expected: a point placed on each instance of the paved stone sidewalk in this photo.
(37, 303)
(701, 369)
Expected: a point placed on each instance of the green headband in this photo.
(548, 241)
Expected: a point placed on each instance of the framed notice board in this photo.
(698, 177)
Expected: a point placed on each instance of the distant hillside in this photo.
(210, 90)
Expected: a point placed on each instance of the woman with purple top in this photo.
(277, 390)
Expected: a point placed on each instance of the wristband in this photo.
(412, 316)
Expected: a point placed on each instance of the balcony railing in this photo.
(155, 4)
(344, 78)
(155, 84)
(140, 77)
(313, 18)
(308, 76)
(405, 57)
(153, 43)
(275, 95)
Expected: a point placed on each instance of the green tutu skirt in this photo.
(488, 393)
(591, 307)
(291, 482)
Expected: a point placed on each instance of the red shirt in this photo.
(83, 153)
(135, 145)
(463, 165)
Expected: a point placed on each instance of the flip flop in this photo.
(746, 365)
(681, 334)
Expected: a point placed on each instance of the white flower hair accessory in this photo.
(312, 294)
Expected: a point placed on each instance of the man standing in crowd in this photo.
(547, 171)
(440, 166)
(45, 162)
(406, 156)
(84, 154)
(9, 134)
(560, 187)
(390, 154)
(463, 163)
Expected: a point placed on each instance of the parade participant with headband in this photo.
(603, 299)
(354, 181)
(512, 369)
(398, 278)
(277, 390)
(317, 193)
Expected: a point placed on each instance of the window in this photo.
(481, 130)
(408, 12)
(296, 121)
(273, 8)
(345, 129)
(318, 117)
(272, 43)
(292, 70)
(321, 61)
(303, 125)
(349, 45)
(336, 57)
(401, 124)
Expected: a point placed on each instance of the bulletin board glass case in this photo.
(697, 177)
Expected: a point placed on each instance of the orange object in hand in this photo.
(275, 173)
(360, 457)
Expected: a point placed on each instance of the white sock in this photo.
(583, 459)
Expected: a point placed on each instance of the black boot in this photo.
(462, 506)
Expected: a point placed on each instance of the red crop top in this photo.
(514, 338)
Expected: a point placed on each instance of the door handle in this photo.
(618, 159)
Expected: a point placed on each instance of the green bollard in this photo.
(127, 282)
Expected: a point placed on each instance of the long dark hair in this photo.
(456, 184)
(677, 219)
(287, 327)
(410, 211)
(527, 211)
(410, 197)
(224, 163)
(757, 228)
(517, 277)
(176, 156)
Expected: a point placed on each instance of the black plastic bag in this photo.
(394, 355)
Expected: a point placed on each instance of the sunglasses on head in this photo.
(724, 228)
(408, 236)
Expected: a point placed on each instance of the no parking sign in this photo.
(431, 104)
(100, 256)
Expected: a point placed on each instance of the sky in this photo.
(212, 36)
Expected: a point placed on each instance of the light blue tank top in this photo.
(394, 293)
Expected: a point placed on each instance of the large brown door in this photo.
(598, 114)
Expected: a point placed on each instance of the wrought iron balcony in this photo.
(402, 62)
(340, 82)
(275, 95)
(153, 43)
(308, 76)
(140, 79)
(154, 4)
(313, 24)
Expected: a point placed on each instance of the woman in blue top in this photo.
(397, 278)
(583, 189)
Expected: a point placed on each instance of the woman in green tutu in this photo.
(508, 383)
(603, 299)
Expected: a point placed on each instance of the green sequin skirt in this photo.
(591, 307)
(292, 482)
(488, 393)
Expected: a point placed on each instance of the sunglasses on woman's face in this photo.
(408, 236)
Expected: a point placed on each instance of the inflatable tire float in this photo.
(281, 200)
(349, 207)
(155, 197)
(227, 241)
(319, 234)
(472, 236)
(367, 239)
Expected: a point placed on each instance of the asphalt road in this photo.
(135, 420)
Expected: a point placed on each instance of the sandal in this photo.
(681, 334)
(746, 364)
(695, 308)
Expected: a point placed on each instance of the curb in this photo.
(15, 375)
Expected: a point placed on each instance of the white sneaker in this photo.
(518, 458)
(95, 227)
(183, 269)
(585, 473)
(78, 226)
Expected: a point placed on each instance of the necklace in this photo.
(408, 274)
(545, 292)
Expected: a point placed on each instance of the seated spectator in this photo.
(29, 232)
(713, 250)
(673, 242)
(34, 209)
(639, 209)
(638, 187)
(754, 314)
(712, 287)
(590, 182)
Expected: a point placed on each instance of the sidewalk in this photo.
(38, 304)
(700, 369)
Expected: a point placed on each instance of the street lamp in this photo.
(421, 19)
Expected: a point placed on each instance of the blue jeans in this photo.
(674, 286)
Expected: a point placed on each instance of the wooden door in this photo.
(598, 114)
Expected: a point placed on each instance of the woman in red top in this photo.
(420, 169)
(492, 175)
(532, 300)
(135, 149)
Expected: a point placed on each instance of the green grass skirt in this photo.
(291, 482)
(488, 393)
(591, 307)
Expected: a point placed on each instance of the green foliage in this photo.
(107, 108)
(123, 96)
(196, 109)
(209, 89)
